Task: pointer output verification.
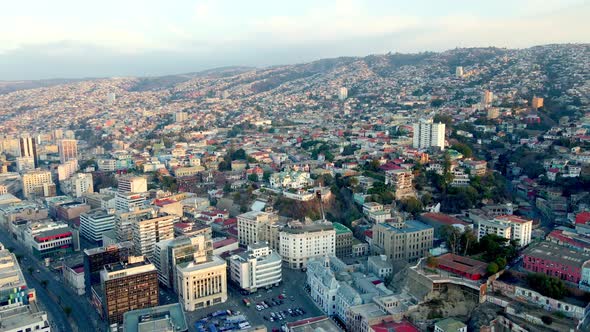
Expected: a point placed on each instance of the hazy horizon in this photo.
(67, 39)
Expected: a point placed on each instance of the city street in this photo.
(293, 286)
(55, 296)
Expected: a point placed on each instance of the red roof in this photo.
(164, 201)
(583, 217)
(558, 235)
(223, 243)
(403, 326)
(443, 218)
(513, 218)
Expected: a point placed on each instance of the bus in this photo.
(246, 302)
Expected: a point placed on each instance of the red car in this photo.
(281, 296)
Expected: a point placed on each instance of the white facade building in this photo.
(510, 227)
(256, 268)
(201, 285)
(428, 134)
(78, 185)
(94, 223)
(300, 242)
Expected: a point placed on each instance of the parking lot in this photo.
(295, 297)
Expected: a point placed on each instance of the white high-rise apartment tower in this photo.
(428, 134)
(343, 93)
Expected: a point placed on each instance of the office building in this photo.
(168, 254)
(96, 259)
(129, 202)
(37, 183)
(253, 226)
(343, 240)
(510, 227)
(201, 285)
(95, 223)
(125, 220)
(23, 318)
(459, 71)
(68, 150)
(126, 287)
(409, 240)
(67, 169)
(164, 318)
(78, 185)
(343, 93)
(428, 134)
(302, 241)
(132, 184)
(50, 239)
(258, 267)
(146, 233)
(25, 164)
(13, 286)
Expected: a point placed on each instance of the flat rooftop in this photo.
(155, 319)
(554, 252)
(14, 318)
(322, 323)
(462, 264)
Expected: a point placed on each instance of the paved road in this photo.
(56, 295)
(296, 297)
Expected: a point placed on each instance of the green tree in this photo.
(44, 283)
(412, 205)
(546, 285)
(67, 310)
(492, 268)
(464, 149)
(253, 177)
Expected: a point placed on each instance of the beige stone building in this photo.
(201, 285)
(407, 241)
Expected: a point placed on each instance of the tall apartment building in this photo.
(146, 233)
(409, 240)
(180, 116)
(202, 284)
(96, 259)
(169, 254)
(401, 181)
(127, 287)
(38, 183)
(68, 150)
(125, 220)
(487, 98)
(128, 202)
(78, 185)
(428, 134)
(96, 222)
(132, 184)
(509, 227)
(67, 169)
(28, 148)
(459, 71)
(343, 93)
(300, 242)
(25, 164)
(253, 226)
(258, 267)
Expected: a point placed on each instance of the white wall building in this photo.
(94, 223)
(510, 227)
(256, 268)
(300, 242)
(201, 285)
(428, 134)
(78, 185)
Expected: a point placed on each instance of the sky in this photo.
(71, 38)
